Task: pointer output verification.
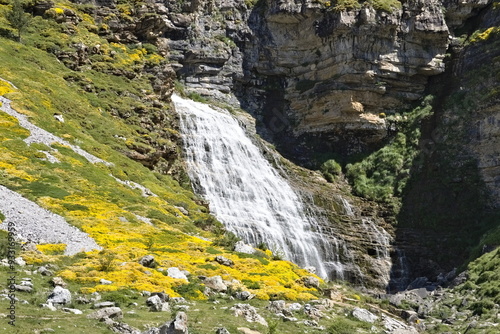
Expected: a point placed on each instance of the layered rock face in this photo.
(337, 71)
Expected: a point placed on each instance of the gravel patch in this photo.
(34, 223)
(39, 135)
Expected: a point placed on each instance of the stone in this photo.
(364, 315)
(241, 247)
(244, 295)
(107, 312)
(123, 328)
(157, 305)
(59, 118)
(175, 272)
(58, 281)
(310, 281)
(148, 261)
(249, 313)
(221, 330)
(224, 261)
(19, 261)
(215, 283)
(59, 295)
(44, 271)
(164, 296)
(104, 304)
(276, 306)
(23, 288)
(182, 210)
(178, 326)
(72, 310)
(50, 306)
(294, 307)
(104, 281)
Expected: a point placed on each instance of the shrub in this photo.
(228, 240)
(331, 169)
(107, 261)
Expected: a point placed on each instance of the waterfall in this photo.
(246, 193)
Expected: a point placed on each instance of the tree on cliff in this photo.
(18, 19)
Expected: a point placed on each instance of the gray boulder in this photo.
(364, 315)
(106, 313)
(215, 283)
(156, 304)
(148, 261)
(178, 326)
(104, 304)
(222, 330)
(59, 295)
(224, 261)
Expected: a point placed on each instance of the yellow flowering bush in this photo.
(52, 249)
(5, 88)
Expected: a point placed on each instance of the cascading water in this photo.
(246, 193)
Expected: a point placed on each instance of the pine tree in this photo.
(17, 18)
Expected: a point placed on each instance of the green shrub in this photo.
(120, 297)
(385, 5)
(331, 169)
(228, 240)
(191, 290)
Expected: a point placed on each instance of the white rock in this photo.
(175, 272)
(241, 247)
(72, 310)
(364, 315)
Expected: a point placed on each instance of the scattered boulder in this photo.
(178, 326)
(72, 310)
(123, 328)
(49, 306)
(241, 247)
(397, 327)
(312, 312)
(224, 261)
(104, 281)
(175, 272)
(107, 312)
(44, 271)
(58, 281)
(294, 307)
(104, 304)
(23, 288)
(276, 306)
(163, 296)
(182, 210)
(59, 295)
(310, 281)
(222, 330)
(148, 261)
(244, 295)
(19, 261)
(249, 313)
(364, 315)
(156, 304)
(215, 283)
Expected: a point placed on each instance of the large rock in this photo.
(215, 283)
(224, 261)
(157, 305)
(364, 315)
(241, 247)
(177, 326)
(175, 272)
(148, 261)
(249, 313)
(59, 296)
(107, 312)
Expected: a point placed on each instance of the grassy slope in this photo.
(89, 198)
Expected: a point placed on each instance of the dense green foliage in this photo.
(331, 169)
(382, 176)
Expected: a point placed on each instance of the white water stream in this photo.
(246, 193)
